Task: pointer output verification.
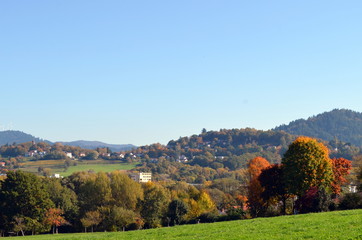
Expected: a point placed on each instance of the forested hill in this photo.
(343, 124)
(10, 137)
(221, 154)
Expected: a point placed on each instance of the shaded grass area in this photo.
(331, 225)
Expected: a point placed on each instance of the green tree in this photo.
(91, 219)
(120, 217)
(154, 204)
(24, 195)
(95, 192)
(63, 197)
(176, 210)
(92, 155)
(125, 192)
(306, 164)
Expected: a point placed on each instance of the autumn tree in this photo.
(256, 166)
(341, 168)
(306, 164)
(54, 218)
(256, 203)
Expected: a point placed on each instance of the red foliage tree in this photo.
(53, 217)
(341, 168)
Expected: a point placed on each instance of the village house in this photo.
(141, 177)
(182, 159)
(32, 153)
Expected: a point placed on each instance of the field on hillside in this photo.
(331, 225)
(98, 168)
(57, 166)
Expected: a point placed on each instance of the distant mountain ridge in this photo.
(97, 144)
(11, 136)
(343, 124)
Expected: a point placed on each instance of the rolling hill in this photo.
(10, 137)
(343, 124)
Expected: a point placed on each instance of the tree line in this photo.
(307, 180)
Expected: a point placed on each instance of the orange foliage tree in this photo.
(341, 168)
(256, 203)
(53, 217)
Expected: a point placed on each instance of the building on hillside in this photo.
(69, 154)
(32, 153)
(142, 177)
(352, 188)
(2, 164)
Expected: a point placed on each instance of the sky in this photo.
(142, 72)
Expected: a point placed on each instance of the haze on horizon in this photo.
(145, 72)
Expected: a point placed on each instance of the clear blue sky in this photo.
(143, 72)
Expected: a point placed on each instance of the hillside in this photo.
(97, 144)
(10, 137)
(343, 124)
(221, 154)
(329, 225)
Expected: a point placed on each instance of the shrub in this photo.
(351, 201)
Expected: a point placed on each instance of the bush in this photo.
(315, 200)
(208, 217)
(351, 201)
(235, 214)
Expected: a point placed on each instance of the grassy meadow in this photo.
(57, 166)
(331, 225)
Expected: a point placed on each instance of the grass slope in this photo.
(331, 225)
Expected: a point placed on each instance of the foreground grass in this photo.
(332, 225)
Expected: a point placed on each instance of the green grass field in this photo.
(98, 168)
(57, 166)
(331, 225)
